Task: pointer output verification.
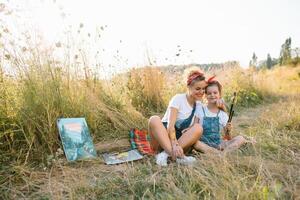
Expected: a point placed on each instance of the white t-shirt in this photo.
(179, 101)
(223, 117)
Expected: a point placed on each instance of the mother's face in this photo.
(197, 90)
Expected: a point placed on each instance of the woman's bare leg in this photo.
(159, 135)
(204, 148)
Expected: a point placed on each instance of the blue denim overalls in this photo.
(182, 124)
(211, 130)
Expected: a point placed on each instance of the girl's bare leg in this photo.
(233, 144)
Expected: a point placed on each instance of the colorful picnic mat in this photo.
(140, 139)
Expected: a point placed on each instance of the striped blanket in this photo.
(140, 139)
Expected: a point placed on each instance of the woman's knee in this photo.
(153, 120)
(194, 132)
(198, 129)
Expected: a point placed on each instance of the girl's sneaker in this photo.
(162, 158)
(186, 160)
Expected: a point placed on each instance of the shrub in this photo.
(242, 82)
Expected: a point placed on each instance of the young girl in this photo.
(213, 120)
(176, 132)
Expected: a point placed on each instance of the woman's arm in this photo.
(171, 123)
(177, 150)
(221, 104)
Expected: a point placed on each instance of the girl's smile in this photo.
(212, 94)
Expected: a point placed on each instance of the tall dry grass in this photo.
(32, 99)
(41, 91)
(145, 92)
(280, 80)
(267, 170)
(37, 88)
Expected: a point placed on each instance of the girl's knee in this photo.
(197, 145)
(240, 139)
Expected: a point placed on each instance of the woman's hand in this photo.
(171, 129)
(177, 150)
(220, 103)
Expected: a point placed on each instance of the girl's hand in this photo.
(185, 130)
(228, 127)
(177, 150)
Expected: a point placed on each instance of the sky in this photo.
(171, 31)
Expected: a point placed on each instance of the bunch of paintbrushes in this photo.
(231, 112)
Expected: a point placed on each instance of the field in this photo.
(33, 166)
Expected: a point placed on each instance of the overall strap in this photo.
(185, 123)
(193, 111)
(218, 113)
(192, 114)
(203, 111)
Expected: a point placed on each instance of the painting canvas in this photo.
(76, 139)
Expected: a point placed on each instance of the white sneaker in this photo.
(162, 158)
(186, 160)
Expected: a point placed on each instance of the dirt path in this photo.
(247, 118)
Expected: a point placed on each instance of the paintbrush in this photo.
(231, 112)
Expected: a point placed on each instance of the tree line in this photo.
(287, 56)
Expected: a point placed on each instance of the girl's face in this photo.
(212, 94)
(197, 90)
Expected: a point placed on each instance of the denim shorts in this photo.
(178, 133)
